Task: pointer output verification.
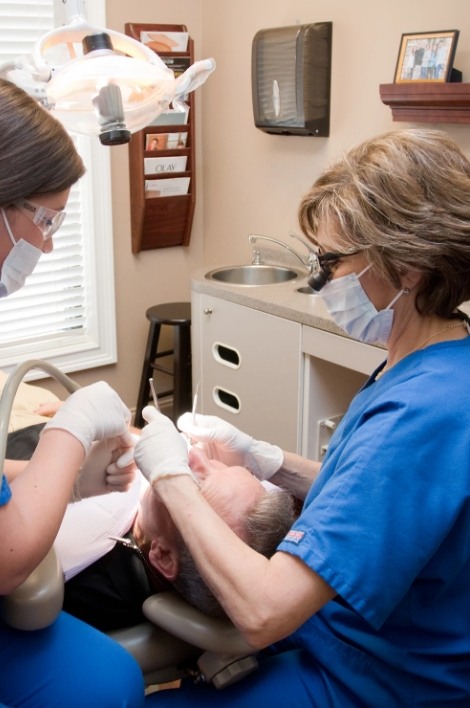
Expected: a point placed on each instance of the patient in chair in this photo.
(118, 549)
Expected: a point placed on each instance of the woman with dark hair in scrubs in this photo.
(67, 663)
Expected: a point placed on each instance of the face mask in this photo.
(20, 262)
(352, 310)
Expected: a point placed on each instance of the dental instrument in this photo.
(154, 394)
(195, 401)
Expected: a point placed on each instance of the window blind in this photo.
(59, 314)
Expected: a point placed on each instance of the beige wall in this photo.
(249, 181)
(253, 181)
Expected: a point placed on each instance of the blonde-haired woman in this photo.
(366, 601)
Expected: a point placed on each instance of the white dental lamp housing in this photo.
(100, 82)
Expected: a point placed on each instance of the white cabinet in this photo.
(248, 364)
(275, 379)
(335, 368)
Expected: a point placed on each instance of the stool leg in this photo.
(147, 372)
(182, 387)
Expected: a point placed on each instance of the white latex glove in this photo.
(161, 451)
(92, 413)
(225, 442)
(108, 467)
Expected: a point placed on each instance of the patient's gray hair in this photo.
(264, 527)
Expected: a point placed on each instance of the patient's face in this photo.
(231, 491)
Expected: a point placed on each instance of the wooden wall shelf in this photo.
(428, 102)
(162, 221)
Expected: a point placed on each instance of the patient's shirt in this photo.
(88, 525)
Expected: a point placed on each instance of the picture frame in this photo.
(426, 56)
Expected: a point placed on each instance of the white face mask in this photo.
(20, 262)
(352, 310)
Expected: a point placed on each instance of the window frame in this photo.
(94, 345)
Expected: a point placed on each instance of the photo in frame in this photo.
(426, 56)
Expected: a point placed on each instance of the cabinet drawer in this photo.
(248, 363)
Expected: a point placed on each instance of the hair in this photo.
(37, 154)
(265, 525)
(403, 197)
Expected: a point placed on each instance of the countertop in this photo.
(281, 299)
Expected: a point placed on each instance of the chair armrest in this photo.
(171, 612)
(36, 603)
(153, 648)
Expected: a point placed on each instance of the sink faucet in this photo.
(307, 263)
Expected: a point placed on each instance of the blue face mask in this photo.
(20, 262)
(351, 309)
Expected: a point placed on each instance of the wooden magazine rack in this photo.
(162, 221)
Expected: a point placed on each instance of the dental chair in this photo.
(175, 642)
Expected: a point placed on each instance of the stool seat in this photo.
(178, 316)
(170, 313)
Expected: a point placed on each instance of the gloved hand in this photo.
(161, 451)
(92, 413)
(108, 467)
(224, 442)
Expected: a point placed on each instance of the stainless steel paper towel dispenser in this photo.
(291, 78)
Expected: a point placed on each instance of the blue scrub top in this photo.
(5, 492)
(387, 525)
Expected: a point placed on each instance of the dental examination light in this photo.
(101, 82)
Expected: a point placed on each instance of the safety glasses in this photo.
(47, 220)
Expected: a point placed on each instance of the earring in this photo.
(406, 291)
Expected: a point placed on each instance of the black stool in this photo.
(178, 316)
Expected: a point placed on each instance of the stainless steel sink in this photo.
(253, 274)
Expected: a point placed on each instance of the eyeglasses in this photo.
(47, 220)
(323, 264)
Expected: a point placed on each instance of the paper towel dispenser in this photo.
(291, 78)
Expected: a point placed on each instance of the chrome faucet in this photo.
(307, 263)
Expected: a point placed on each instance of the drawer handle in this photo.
(226, 399)
(207, 310)
(228, 356)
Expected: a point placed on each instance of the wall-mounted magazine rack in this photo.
(162, 182)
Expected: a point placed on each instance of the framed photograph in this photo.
(426, 56)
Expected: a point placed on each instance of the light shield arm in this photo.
(101, 82)
(71, 35)
(194, 76)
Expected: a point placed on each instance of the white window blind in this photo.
(65, 313)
